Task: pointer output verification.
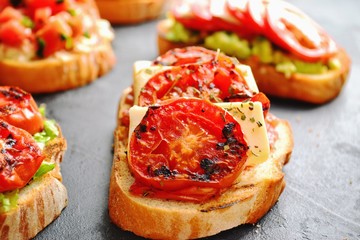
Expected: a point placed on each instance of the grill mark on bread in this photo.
(4, 231)
(248, 194)
(24, 224)
(40, 210)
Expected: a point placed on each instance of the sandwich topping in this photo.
(18, 108)
(20, 157)
(37, 29)
(274, 31)
(185, 144)
(203, 74)
(23, 134)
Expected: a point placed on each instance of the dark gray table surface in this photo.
(322, 196)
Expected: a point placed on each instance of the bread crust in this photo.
(40, 202)
(312, 88)
(129, 11)
(57, 74)
(255, 191)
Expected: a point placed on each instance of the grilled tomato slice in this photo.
(18, 108)
(20, 157)
(213, 80)
(186, 143)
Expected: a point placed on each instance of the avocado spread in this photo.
(231, 44)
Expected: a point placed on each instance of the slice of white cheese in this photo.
(143, 71)
(251, 119)
(248, 114)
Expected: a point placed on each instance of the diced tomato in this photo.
(12, 33)
(18, 108)
(56, 6)
(53, 37)
(187, 142)
(41, 17)
(20, 157)
(77, 25)
(296, 32)
(10, 13)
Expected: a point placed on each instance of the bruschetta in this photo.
(49, 46)
(130, 11)
(31, 191)
(291, 56)
(196, 151)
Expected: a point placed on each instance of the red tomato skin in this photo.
(256, 15)
(4, 4)
(20, 157)
(19, 109)
(154, 164)
(211, 80)
(12, 33)
(278, 33)
(183, 56)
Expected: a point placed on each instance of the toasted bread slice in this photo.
(312, 88)
(89, 59)
(73, 69)
(129, 11)
(40, 202)
(254, 192)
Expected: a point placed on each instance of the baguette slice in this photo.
(255, 191)
(64, 70)
(54, 74)
(312, 88)
(129, 11)
(40, 202)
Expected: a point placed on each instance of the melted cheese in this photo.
(248, 114)
(143, 71)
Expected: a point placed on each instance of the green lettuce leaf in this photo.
(44, 168)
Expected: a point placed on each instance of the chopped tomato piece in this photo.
(54, 36)
(20, 157)
(10, 13)
(18, 108)
(187, 142)
(12, 33)
(56, 6)
(42, 16)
